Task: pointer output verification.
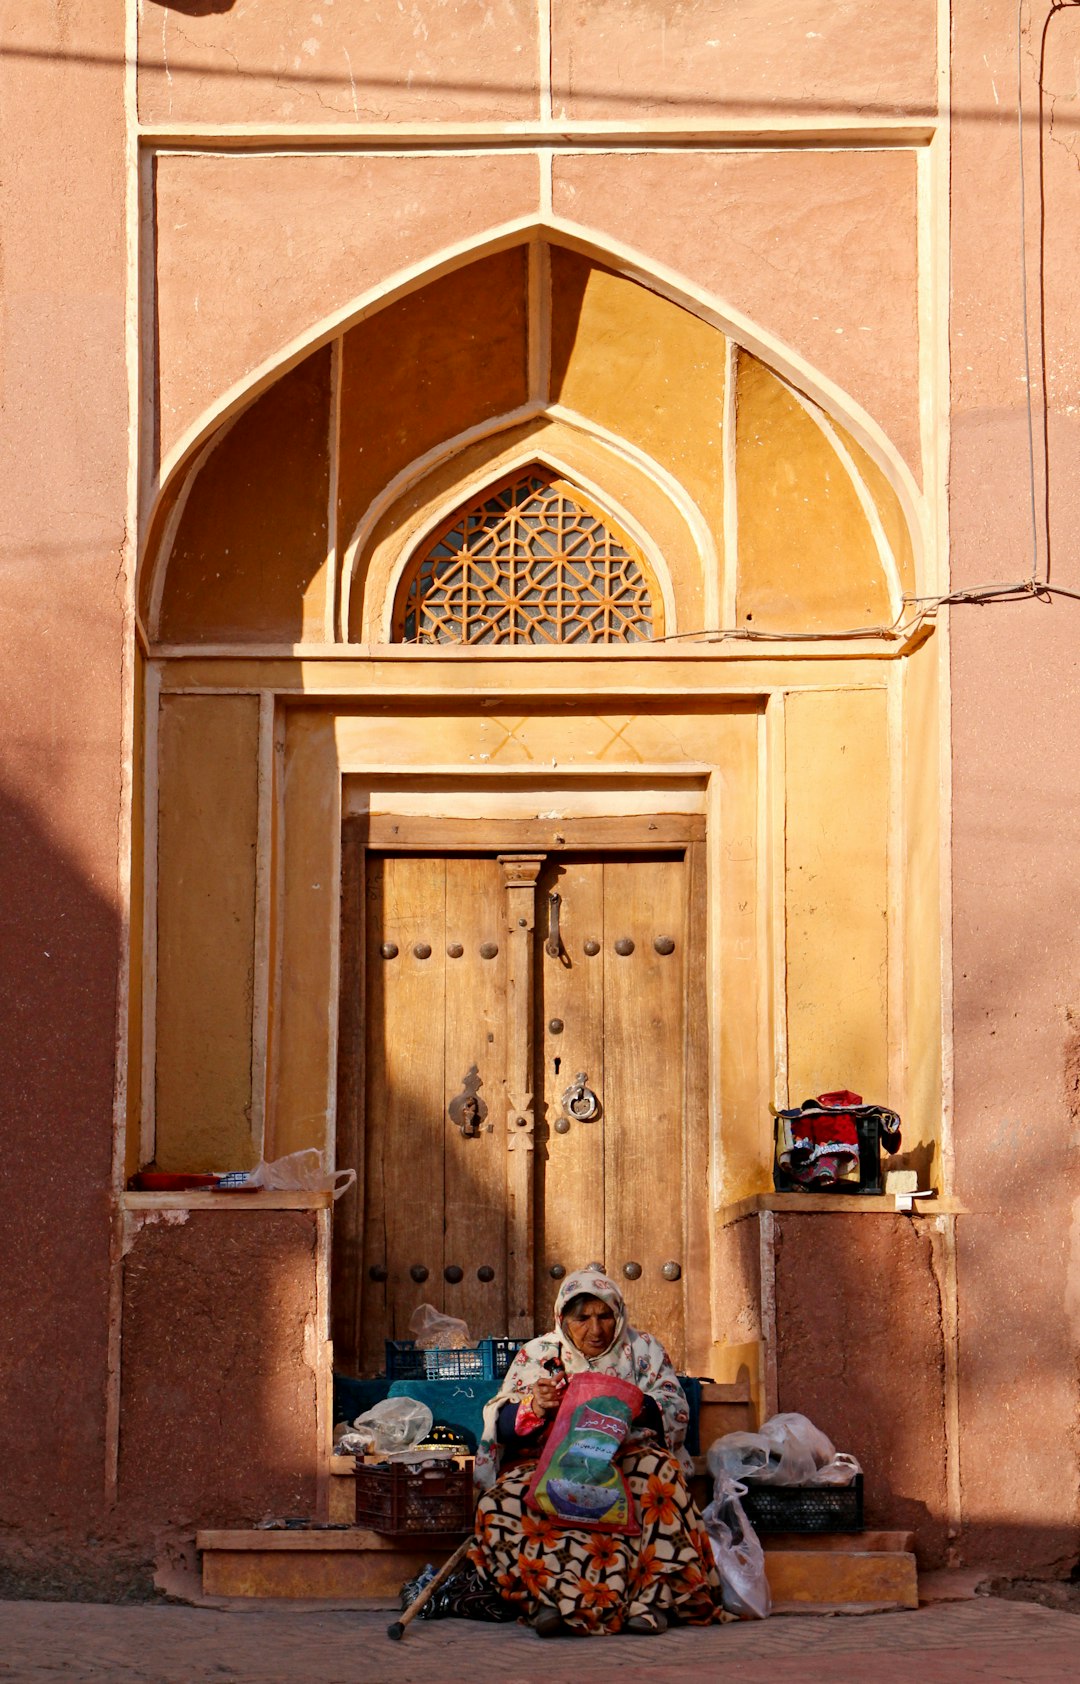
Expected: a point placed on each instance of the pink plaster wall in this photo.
(1016, 808)
(817, 247)
(63, 454)
(272, 61)
(252, 252)
(626, 59)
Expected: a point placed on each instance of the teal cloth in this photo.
(453, 1403)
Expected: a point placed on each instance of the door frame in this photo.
(377, 833)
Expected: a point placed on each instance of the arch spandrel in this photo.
(409, 373)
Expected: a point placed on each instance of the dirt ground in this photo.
(988, 1640)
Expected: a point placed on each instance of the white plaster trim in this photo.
(334, 449)
(866, 501)
(172, 524)
(775, 851)
(148, 1097)
(128, 728)
(543, 35)
(897, 954)
(529, 451)
(714, 978)
(659, 278)
(729, 583)
(764, 133)
(408, 476)
(264, 865)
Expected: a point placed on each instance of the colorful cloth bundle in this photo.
(817, 1143)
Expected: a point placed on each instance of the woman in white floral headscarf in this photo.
(570, 1578)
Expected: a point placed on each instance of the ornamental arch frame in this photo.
(162, 498)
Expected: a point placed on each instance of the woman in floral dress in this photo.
(566, 1578)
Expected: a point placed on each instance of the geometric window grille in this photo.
(527, 562)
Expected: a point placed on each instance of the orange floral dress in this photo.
(599, 1580)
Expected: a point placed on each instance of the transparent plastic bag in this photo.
(788, 1450)
(739, 1557)
(840, 1471)
(397, 1423)
(432, 1329)
(301, 1172)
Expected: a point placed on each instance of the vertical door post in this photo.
(520, 872)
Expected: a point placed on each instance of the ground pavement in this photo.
(985, 1641)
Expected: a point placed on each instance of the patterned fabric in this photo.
(599, 1580)
(465, 1595)
(633, 1356)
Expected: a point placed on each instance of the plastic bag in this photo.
(788, 1450)
(840, 1471)
(739, 1557)
(396, 1423)
(431, 1328)
(301, 1172)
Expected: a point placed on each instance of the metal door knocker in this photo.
(580, 1102)
(467, 1110)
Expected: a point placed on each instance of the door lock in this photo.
(580, 1101)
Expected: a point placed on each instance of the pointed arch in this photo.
(661, 279)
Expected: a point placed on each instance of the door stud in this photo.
(624, 946)
(664, 944)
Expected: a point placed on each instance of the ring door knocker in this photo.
(580, 1104)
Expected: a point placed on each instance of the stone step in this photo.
(871, 1569)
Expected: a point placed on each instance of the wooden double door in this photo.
(532, 1093)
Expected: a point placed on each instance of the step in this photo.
(314, 1565)
(871, 1569)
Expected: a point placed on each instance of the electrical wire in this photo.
(1024, 286)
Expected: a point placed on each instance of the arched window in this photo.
(529, 561)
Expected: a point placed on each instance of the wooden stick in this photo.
(397, 1630)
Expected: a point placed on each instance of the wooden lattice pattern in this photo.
(529, 562)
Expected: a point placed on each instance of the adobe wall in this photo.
(63, 468)
(242, 253)
(1016, 746)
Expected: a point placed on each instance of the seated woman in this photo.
(570, 1578)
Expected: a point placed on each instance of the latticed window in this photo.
(528, 562)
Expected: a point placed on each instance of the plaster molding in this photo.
(772, 133)
(782, 358)
(415, 532)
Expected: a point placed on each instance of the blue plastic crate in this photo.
(487, 1360)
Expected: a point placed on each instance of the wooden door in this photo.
(435, 1036)
(477, 1209)
(612, 1012)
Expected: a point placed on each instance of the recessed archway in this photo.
(795, 525)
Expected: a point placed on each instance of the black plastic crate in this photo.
(805, 1508)
(487, 1360)
(397, 1499)
(868, 1131)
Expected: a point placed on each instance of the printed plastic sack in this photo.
(431, 1330)
(396, 1423)
(578, 1480)
(788, 1450)
(301, 1172)
(739, 1557)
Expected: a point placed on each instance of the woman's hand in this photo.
(547, 1395)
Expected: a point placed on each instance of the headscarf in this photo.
(633, 1356)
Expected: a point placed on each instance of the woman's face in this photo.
(591, 1326)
